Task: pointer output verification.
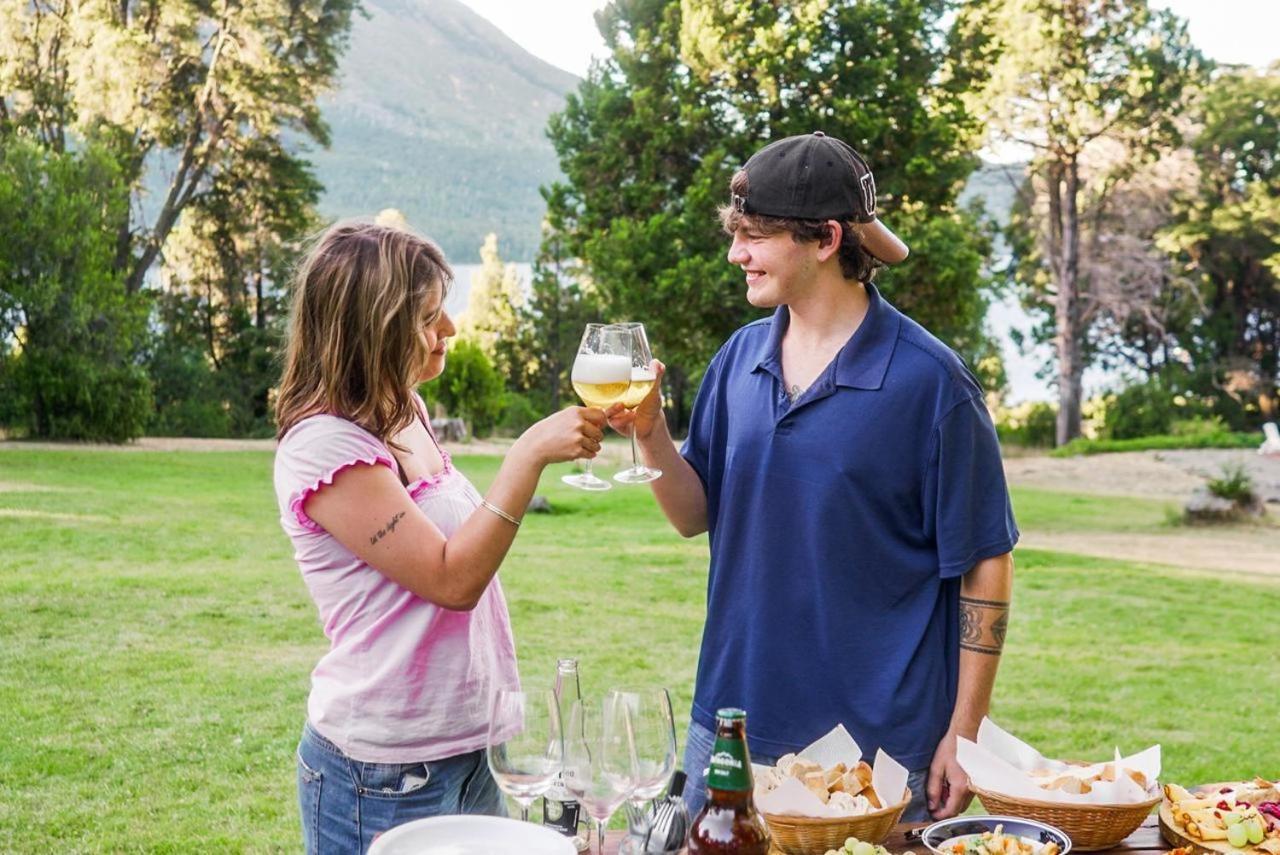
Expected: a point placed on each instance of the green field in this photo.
(156, 640)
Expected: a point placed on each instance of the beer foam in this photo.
(601, 368)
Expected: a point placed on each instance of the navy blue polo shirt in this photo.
(840, 526)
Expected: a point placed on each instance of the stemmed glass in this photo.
(526, 744)
(653, 740)
(601, 377)
(599, 759)
(642, 379)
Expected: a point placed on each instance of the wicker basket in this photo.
(1090, 827)
(805, 835)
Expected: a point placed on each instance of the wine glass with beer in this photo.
(642, 379)
(602, 377)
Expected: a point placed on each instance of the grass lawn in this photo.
(156, 640)
(1049, 511)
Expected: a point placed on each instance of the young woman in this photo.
(397, 548)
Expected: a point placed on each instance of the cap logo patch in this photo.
(868, 184)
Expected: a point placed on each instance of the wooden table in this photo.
(1145, 841)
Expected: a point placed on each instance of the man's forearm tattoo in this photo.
(983, 624)
(387, 529)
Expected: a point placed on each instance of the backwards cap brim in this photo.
(878, 240)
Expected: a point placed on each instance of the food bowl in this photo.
(1036, 833)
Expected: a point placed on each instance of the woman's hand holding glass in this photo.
(526, 744)
(572, 433)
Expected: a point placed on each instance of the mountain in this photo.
(441, 115)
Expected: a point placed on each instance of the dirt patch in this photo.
(1167, 476)
(1243, 550)
(1142, 474)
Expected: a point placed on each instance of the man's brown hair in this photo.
(362, 300)
(855, 262)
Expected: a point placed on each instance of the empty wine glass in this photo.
(599, 758)
(653, 740)
(526, 743)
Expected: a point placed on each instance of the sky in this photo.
(563, 32)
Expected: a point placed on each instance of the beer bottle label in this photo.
(729, 769)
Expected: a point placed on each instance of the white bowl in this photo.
(471, 835)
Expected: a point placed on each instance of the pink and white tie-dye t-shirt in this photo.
(404, 681)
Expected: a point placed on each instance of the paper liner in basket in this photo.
(792, 798)
(1002, 763)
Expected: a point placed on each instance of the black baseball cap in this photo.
(817, 177)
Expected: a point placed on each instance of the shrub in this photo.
(1157, 443)
(1032, 424)
(187, 403)
(70, 333)
(1234, 485)
(470, 387)
(1150, 408)
(518, 413)
(73, 396)
(1199, 426)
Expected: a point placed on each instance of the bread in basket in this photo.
(812, 835)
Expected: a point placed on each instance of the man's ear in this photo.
(829, 243)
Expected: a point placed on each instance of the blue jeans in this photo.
(697, 756)
(346, 803)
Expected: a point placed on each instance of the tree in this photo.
(561, 303)
(206, 108)
(493, 307)
(189, 87)
(1225, 236)
(222, 303)
(69, 334)
(650, 139)
(1067, 75)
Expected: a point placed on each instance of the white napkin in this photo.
(889, 778)
(1001, 763)
(792, 798)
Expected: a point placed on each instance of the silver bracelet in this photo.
(488, 505)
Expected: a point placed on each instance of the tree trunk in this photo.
(260, 308)
(1067, 310)
(678, 383)
(191, 169)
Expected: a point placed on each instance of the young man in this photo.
(845, 467)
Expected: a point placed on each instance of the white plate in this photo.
(471, 835)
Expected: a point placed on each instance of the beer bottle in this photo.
(559, 809)
(729, 821)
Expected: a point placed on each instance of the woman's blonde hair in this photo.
(356, 342)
